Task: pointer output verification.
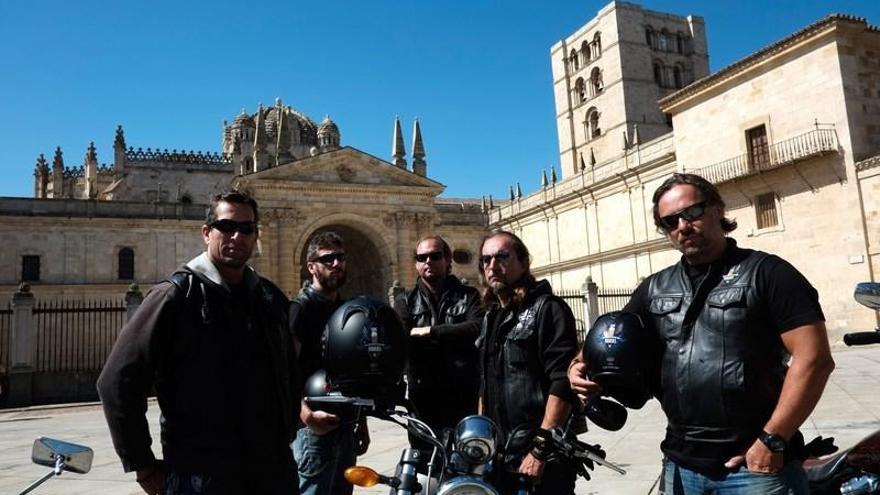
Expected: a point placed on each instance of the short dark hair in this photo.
(447, 251)
(708, 192)
(237, 197)
(323, 240)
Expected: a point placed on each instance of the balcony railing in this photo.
(813, 143)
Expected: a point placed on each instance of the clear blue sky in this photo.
(476, 73)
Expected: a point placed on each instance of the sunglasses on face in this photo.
(329, 258)
(227, 226)
(502, 257)
(691, 213)
(433, 256)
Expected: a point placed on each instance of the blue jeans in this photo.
(678, 480)
(323, 459)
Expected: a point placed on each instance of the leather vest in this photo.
(722, 361)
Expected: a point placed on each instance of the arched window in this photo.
(649, 36)
(575, 63)
(658, 73)
(126, 264)
(597, 45)
(677, 76)
(593, 130)
(186, 199)
(663, 44)
(585, 52)
(679, 42)
(580, 90)
(596, 85)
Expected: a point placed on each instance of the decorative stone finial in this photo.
(397, 150)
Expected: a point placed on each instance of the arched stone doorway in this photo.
(364, 266)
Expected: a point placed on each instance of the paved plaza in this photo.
(849, 410)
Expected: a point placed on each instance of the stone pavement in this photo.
(849, 410)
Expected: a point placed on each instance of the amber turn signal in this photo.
(362, 476)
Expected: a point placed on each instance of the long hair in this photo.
(707, 191)
(520, 287)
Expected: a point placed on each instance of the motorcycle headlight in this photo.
(465, 485)
(476, 439)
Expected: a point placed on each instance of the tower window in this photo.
(30, 268)
(126, 264)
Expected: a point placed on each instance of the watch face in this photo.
(773, 442)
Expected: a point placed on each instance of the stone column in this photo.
(22, 343)
(133, 300)
(590, 292)
(394, 291)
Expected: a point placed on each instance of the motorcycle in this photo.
(471, 459)
(60, 456)
(854, 471)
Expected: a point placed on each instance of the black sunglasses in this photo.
(329, 258)
(691, 213)
(502, 257)
(229, 226)
(433, 256)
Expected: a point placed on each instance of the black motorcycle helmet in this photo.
(618, 350)
(319, 395)
(364, 350)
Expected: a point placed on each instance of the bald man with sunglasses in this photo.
(443, 318)
(724, 321)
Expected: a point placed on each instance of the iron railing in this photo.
(613, 299)
(813, 143)
(607, 300)
(76, 335)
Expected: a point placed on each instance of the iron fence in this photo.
(575, 300)
(76, 335)
(613, 299)
(607, 300)
(5, 337)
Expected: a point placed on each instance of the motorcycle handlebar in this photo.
(862, 338)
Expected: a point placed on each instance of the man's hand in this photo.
(420, 332)
(152, 479)
(582, 387)
(321, 422)
(758, 459)
(532, 467)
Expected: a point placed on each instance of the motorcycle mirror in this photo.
(868, 294)
(520, 441)
(77, 458)
(606, 414)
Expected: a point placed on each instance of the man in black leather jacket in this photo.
(442, 316)
(213, 341)
(324, 447)
(726, 319)
(526, 343)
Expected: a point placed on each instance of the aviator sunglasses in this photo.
(433, 256)
(329, 258)
(689, 214)
(502, 257)
(228, 226)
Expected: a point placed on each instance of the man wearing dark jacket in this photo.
(442, 316)
(726, 320)
(527, 341)
(213, 342)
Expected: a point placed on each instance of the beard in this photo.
(332, 281)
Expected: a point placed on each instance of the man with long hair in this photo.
(527, 341)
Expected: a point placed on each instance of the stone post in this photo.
(394, 291)
(133, 300)
(590, 292)
(22, 343)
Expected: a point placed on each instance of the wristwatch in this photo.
(774, 442)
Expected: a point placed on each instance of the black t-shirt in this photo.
(788, 301)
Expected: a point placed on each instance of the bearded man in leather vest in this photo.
(442, 316)
(526, 343)
(726, 321)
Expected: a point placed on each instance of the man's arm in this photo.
(469, 329)
(127, 377)
(556, 412)
(811, 365)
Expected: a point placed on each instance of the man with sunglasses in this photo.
(725, 320)
(323, 448)
(442, 316)
(527, 341)
(213, 342)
